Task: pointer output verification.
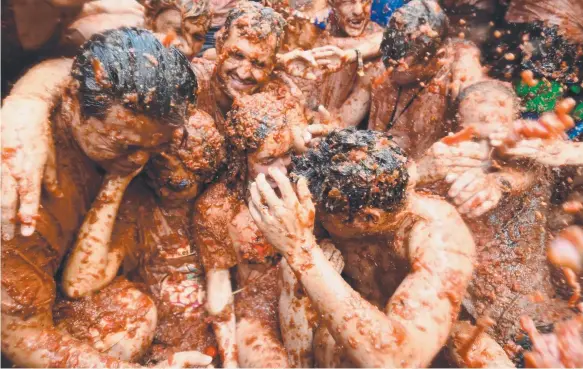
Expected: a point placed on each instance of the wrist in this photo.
(301, 256)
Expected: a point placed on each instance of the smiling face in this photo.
(245, 64)
(352, 16)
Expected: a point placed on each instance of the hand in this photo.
(566, 250)
(443, 161)
(332, 58)
(547, 152)
(324, 117)
(298, 63)
(561, 349)
(309, 136)
(286, 222)
(186, 359)
(475, 192)
(28, 159)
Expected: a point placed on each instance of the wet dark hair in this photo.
(537, 47)
(261, 22)
(130, 66)
(352, 169)
(403, 36)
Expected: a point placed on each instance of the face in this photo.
(111, 142)
(171, 180)
(170, 22)
(366, 222)
(352, 15)
(275, 152)
(245, 65)
(194, 31)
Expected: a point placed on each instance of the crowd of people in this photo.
(232, 183)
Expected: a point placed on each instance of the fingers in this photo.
(325, 115)
(29, 191)
(304, 195)
(318, 130)
(192, 358)
(9, 204)
(50, 178)
(461, 183)
(267, 193)
(287, 192)
(300, 139)
(473, 202)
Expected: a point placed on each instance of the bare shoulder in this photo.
(216, 204)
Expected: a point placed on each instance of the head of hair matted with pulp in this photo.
(131, 67)
(352, 169)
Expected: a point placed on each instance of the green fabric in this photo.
(540, 98)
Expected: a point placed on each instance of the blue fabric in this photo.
(576, 132)
(382, 10)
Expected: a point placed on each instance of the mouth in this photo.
(356, 23)
(240, 84)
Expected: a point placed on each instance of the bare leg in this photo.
(29, 337)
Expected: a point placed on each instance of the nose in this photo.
(244, 71)
(357, 9)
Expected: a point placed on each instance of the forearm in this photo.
(368, 334)
(91, 265)
(37, 343)
(294, 320)
(44, 81)
(220, 306)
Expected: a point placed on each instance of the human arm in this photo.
(553, 153)
(220, 306)
(92, 263)
(297, 318)
(28, 157)
(440, 274)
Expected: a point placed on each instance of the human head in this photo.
(187, 21)
(544, 49)
(259, 129)
(411, 41)
(128, 94)
(193, 159)
(491, 98)
(246, 47)
(357, 179)
(350, 16)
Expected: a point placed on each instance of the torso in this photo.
(170, 267)
(416, 115)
